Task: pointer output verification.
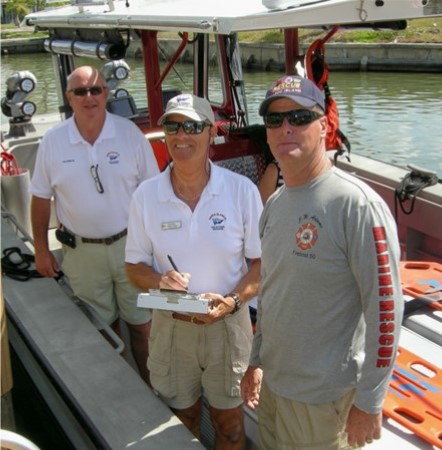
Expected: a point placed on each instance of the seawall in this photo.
(339, 56)
(270, 57)
(21, 45)
(373, 57)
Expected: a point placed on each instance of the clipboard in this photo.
(170, 300)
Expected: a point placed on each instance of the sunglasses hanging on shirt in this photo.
(96, 178)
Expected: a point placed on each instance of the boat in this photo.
(83, 380)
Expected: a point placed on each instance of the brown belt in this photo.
(107, 240)
(186, 318)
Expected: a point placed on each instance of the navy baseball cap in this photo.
(299, 89)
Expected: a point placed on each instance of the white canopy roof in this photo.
(226, 16)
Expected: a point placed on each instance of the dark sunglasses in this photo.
(189, 127)
(82, 91)
(296, 117)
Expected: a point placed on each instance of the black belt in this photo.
(107, 240)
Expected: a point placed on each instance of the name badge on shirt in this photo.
(171, 225)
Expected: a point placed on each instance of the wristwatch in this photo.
(237, 301)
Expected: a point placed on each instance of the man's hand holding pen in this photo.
(173, 280)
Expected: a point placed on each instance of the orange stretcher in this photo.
(414, 397)
(423, 280)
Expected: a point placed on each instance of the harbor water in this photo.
(393, 117)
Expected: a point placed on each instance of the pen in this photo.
(176, 269)
(173, 263)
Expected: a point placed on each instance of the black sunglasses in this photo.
(82, 91)
(297, 117)
(189, 127)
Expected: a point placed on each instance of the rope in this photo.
(17, 265)
(411, 186)
(9, 164)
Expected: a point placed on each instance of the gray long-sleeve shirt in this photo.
(330, 308)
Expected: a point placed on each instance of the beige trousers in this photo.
(290, 425)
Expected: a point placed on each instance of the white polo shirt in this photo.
(63, 170)
(211, 242)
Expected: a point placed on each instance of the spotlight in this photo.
(114, 72)
(18, 86)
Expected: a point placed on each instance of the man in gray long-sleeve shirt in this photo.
(330, 307)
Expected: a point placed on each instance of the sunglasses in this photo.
(96, 178)
(296, 117)
(189, 127)
(82, 91)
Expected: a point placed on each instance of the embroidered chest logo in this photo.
(217, 221)
(307, 234)
(113, 157)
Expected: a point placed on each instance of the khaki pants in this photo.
(97, 274)
(290, 425)
(187, 360)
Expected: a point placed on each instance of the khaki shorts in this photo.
(98, 276)
(290, 425)
(187, 360)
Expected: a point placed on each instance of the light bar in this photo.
(96, 50)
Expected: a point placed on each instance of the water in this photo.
(393, 117)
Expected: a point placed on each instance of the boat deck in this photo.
(102, 394)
